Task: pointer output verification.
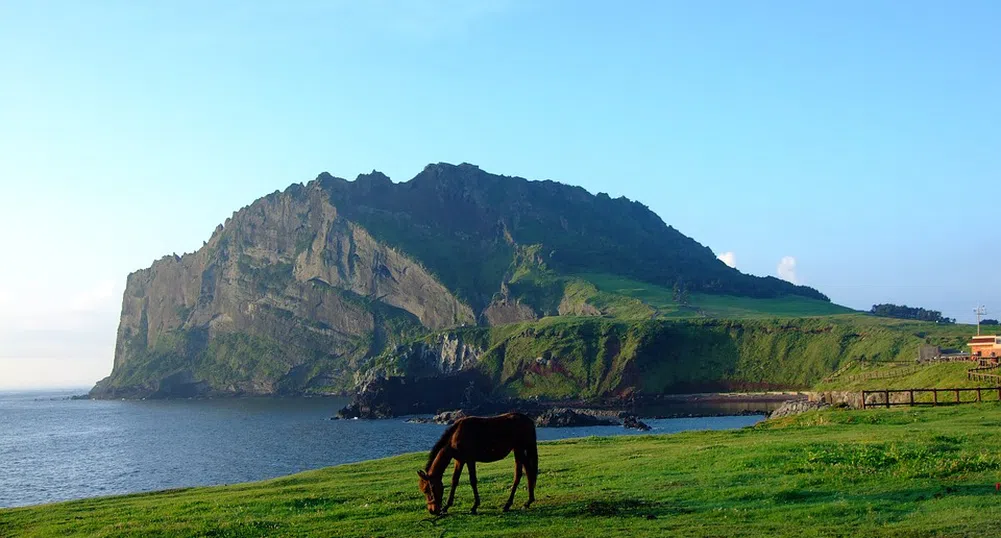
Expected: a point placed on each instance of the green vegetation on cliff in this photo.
(664, 303)
(878, 473)
(465, 225)
(593, 356)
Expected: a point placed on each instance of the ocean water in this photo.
(53, 448)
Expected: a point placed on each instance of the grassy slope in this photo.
(902, 472)
(592, 356)
(855, 376)
(948, 375)
(643, 340)
(790, 341)
(715, 306)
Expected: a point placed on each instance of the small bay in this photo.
(53, 448)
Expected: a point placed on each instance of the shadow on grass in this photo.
(313, 503)
(807, 496)
(797, 496)
(250, 528)
(938, 492)
(623, 508)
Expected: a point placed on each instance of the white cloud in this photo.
(728, 258)
(787, 269)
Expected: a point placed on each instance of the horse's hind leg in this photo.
(455, 483)
(532, 470)
(518, 462)
(472, 482)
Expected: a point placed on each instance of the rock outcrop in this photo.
(444, 418)
(567, 418)
(795, 407)
(632, 422)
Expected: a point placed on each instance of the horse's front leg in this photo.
(476, 492)
(455, 482)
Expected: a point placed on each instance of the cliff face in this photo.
(287, 277)
(302, 289)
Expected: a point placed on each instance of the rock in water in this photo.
(445, 418)
(630, 421)
(565, 418)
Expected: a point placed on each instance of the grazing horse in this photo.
(480, 439)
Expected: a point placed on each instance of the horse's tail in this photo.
(440, 445)
(532, 451)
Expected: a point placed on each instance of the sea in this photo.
(54, 448)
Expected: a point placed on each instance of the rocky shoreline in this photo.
(626, 412)
(393, 397)
(558, 417)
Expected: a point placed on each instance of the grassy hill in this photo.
(680, 351)
(910, 376)
(663, 303)
(892, 473)
(903, 372)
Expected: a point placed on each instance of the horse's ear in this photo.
(422, 474)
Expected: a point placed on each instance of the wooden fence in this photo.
(982, 372)
(955, 398)
(883, 374)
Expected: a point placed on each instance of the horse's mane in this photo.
(439, 446)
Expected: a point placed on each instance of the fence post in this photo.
(863, 398)
(912, 397)
(978, 394)
(887, 394)
(934, 396)
(957, 395)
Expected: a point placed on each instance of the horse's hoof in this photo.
(472, 511)
(507, 507)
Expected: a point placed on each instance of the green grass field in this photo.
(714, 306)
(894, 473)
(944, 375)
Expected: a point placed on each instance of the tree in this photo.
(907, 312)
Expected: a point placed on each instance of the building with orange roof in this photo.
(988, 345)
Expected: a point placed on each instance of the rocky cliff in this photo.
(286, 296)
(302, 289)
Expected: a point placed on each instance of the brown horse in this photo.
(483, 439)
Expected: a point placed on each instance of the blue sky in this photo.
(858, 138)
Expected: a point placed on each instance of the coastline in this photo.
(706, 483)
(63, 450)
(643, 406)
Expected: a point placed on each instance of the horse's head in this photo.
(433, 489)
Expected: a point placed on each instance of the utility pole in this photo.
(979, 311)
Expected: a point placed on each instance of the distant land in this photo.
(461, 284)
